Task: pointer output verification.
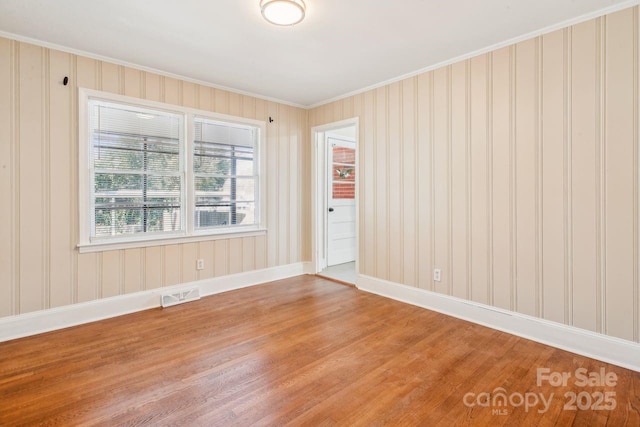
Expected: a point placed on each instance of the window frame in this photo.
(188, 232)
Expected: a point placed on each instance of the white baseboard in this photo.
(309, 268)
(586, 343)
(37, 322)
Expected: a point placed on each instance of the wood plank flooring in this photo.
(301, 351)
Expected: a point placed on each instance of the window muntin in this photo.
(225, 174)
(137, 177)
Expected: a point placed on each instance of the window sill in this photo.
(164, 241)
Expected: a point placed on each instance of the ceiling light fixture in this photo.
(283, 12)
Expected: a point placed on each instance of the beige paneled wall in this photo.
(39, 265)
(515, 172)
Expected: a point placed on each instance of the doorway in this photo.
(335, 218)
(341, 203)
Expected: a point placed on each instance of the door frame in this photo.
(319, 206)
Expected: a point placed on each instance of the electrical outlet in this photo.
(200, 264)
(436, 274)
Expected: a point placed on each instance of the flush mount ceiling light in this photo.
(283, 12)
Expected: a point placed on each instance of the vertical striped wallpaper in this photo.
(40, 267)
(515, 173)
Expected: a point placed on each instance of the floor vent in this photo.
(180, 297)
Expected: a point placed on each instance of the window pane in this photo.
(225, 214)
(212, 187)
(344, 155)
(343, 173)
(211, 162)
(112, 183)
(244, 167)
(115, 222)
(344, 191)
(245, 189)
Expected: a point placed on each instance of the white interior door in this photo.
(341, 203)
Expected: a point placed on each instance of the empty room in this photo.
(320, 212)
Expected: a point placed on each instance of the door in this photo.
(341, 203)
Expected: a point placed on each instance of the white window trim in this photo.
(188, 234)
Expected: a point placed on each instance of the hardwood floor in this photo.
(301, 351)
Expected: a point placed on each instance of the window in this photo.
(137, 175)
(151, 171)
(225, 174)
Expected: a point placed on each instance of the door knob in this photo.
(330, 209)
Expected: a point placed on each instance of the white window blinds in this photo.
(136, 170)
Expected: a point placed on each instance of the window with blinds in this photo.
(151, 171)
(225, 174)
(136, 170)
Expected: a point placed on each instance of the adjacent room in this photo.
(320, 212)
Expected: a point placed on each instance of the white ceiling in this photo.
(342, 45)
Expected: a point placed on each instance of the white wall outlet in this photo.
(436, 274)
(199, 264)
